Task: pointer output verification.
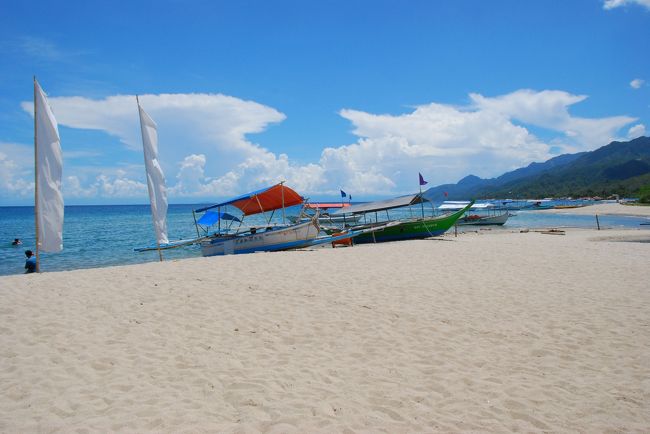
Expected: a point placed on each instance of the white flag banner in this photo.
(155, 176)
(49, 167)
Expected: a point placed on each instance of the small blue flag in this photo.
(422, 181)
(343, 194)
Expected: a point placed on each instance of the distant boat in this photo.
(568, 206)
(483, 220)
(512, 205)
(486, 213)
(541, 204)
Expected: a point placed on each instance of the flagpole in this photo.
(38, 261)
(137, 100)
(421, 202)
(343, 206)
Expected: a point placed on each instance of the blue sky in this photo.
(352, 95)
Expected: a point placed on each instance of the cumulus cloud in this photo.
(198, 121)
(636, 83)
(114, 186)
(206, 152)
(487, 138)
(16, 170)
(612, 4)
(550, 109)
(637, 130)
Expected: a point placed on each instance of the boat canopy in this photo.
(380, 205)
(327, 205)
(210, 218)
(267, 199)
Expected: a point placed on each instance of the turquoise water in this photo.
(100, 236)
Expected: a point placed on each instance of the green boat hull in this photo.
(414, 229)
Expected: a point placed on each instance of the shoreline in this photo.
(490, 331)
(603, 209)
(462, 231)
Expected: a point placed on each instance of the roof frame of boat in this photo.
(211, 217)
(381, 205)
(267, 199)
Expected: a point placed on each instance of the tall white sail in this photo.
(155, 176)
(49, 168)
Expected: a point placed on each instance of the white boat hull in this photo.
(291, 237)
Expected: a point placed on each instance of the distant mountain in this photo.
(618, 168)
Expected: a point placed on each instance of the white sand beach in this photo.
(606, 208)
(491, 332)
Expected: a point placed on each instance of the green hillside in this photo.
(621, 168)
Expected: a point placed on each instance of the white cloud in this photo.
(637, 83)
(550, 109)
(612, 4)
(637, 130)
(16, 170)
(442, 141)
(206, 153)
(120, 187)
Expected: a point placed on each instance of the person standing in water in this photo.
(30, 263)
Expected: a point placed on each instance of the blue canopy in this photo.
(210, 218)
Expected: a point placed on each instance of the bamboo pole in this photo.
(196, 225)
(38, 260)
(282, 188)
(421, 202)
(268, 221)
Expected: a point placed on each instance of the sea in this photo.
(106, 235)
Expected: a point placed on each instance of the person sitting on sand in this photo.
(16, 242)
(30, 263)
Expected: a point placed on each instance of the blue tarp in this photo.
(210, 218)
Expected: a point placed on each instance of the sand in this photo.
(507, 332)
(605, 209)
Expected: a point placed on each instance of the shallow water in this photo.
(105, 235)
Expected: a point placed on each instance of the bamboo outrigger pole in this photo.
(38, 260)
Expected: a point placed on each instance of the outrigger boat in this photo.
(267, 238)
(480, 214)
(229, 238)
(402, 229)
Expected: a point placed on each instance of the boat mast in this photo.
(38, 261)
